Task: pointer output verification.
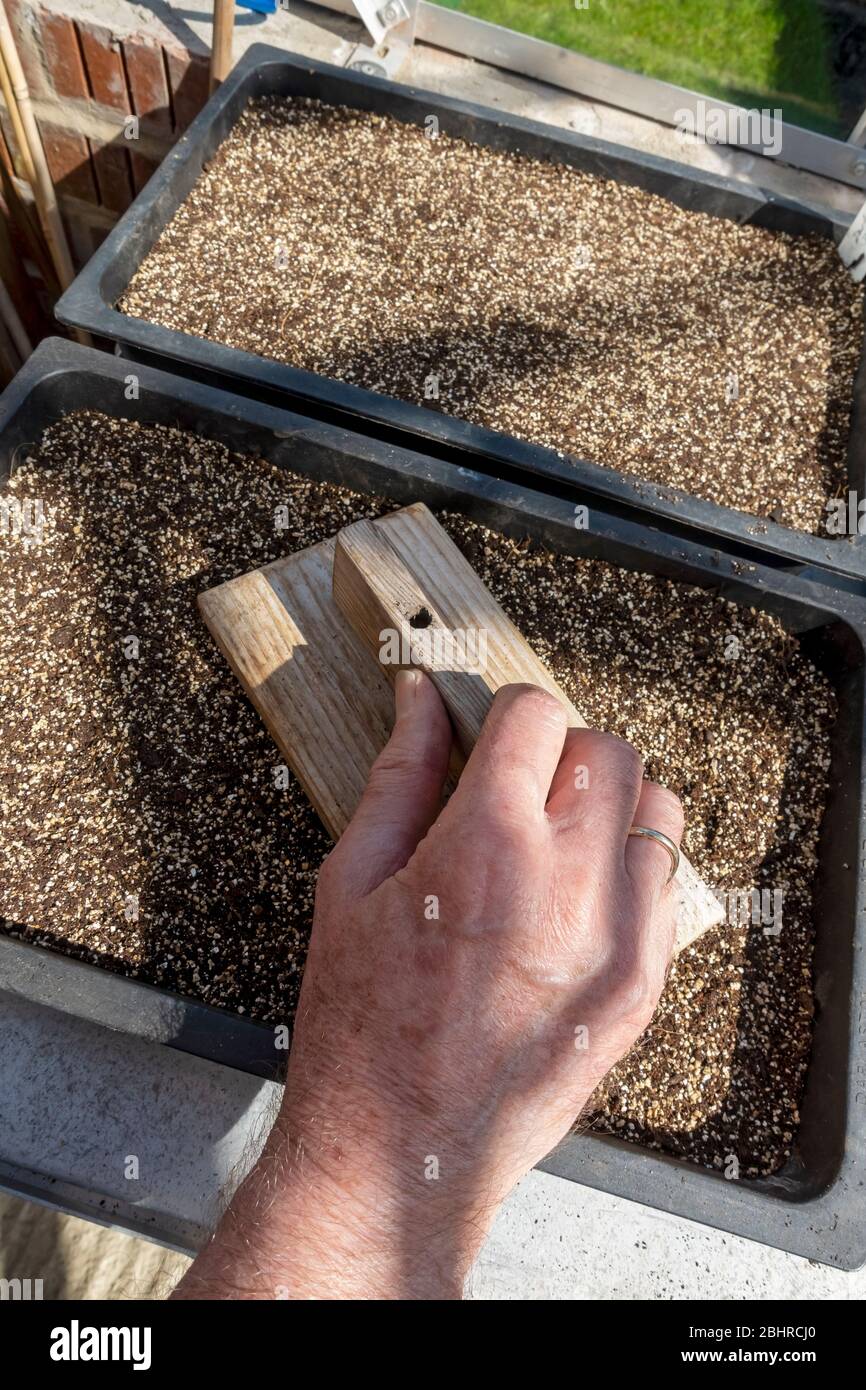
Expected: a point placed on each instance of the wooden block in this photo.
(404, 569)
(320, 687)
(325, 700)
(388, 572)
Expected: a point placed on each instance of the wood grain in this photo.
(325, 700)
(387, 571)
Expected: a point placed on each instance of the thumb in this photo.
(403, 795)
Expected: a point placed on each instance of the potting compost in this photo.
(146, 826)
(554, 305)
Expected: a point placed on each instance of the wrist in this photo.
(308, 1224)
(358, 1222)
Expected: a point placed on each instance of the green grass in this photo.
(764, 53)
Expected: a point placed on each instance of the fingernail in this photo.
(406, 686)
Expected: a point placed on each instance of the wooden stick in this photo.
(221, 42)
(27, 167)
(43, 188)
(407, 590)
(22, 227)
(33, 159)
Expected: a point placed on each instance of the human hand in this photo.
(473, 973)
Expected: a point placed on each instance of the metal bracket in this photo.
(852, 247)
(391, 26)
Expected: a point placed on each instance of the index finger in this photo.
(517, 751)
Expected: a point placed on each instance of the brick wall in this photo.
(86, 80)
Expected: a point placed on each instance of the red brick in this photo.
(142, 168)
(62, 55)
(69, 161)
(189, 75)
(113, 178)
(146, 74)
(17, 12)
(104, 64)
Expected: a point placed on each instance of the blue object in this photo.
(260, 6)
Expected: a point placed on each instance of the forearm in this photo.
(295, 1230)
(362, 1193)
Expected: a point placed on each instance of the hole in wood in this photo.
(423, 618)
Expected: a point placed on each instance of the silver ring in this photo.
(662, 840)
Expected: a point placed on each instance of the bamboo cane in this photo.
(17, 128)
(221, 41)
(32, 149)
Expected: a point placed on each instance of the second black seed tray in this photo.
(90, 302)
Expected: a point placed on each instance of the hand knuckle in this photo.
(616, 755)
(632, 995)
(393, 758)
(329, 872)
(624, 757)
(391, 768)
(538, 703)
